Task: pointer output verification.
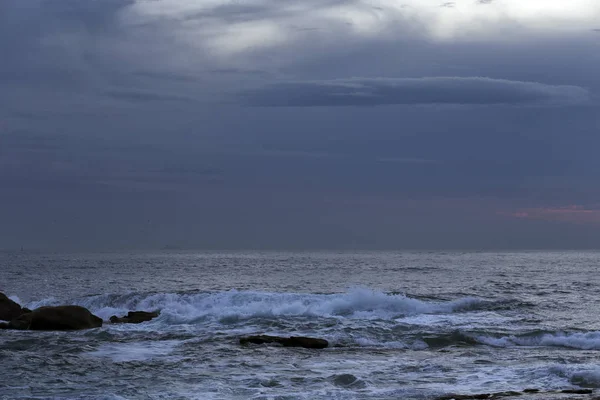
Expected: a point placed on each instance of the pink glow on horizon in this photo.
(571, 213)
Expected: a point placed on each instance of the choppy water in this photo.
(401, 325)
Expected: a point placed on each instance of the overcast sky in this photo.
(299, 124)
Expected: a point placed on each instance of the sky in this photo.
(299, 124)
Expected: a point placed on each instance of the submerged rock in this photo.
(9, 309)
(60, 318)
(347, 381)
(512, 394)
(292, 341)
(480, 396)
(531, 390)
(577, 391)
(135, 317)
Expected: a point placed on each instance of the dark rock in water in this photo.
(466, 396)
(293, 341)
(480, 396)
(61, 318)
(9, 309)
(510, 394)
(142, 316)
(3, 325)
(135, 317)
(531, 390)
(577, 391)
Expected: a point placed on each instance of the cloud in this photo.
(106, 101)
(137, 96)
(233, 28)
(209, 48)
(435, 90)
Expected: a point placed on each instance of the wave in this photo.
(576, 340)
(397, 344)
(587, 376)
(234, 305)
(455, 338)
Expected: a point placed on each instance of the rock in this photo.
(293, 341)
(9, 310)
(577, 391)
(135, 317)
(60, 318)
(531, 390)
(3, 325)
(512, 394)
(116, 320)
(481, 396)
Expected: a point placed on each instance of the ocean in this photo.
(401, 325)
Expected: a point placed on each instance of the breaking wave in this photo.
(576, 340)
(234, 305)
(587, 376)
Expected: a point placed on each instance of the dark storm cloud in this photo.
(437, 90)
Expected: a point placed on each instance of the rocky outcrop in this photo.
(135, 317)
(9, 309)
(292, 341)
(60, 318)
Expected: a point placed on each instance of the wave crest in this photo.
(577, 340)
(234, 305)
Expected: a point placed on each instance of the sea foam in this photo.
(235, 305)
(577, 340)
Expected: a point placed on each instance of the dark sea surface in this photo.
(401, 325)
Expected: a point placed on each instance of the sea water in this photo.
(401, 325)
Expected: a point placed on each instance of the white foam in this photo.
(234, 305)
(138, 351)
(50, 301)
(584, 341)
(584, 375)
(15, 298)
(464, 320)
(365, 342)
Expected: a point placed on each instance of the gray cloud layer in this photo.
(436, 90)
(127, 123)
